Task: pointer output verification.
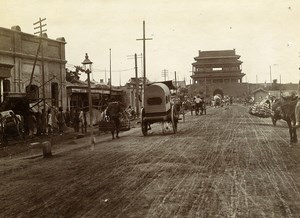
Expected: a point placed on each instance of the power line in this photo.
(103, 70)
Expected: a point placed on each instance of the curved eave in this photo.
(219, 75)
(217, 64)
(218, 57)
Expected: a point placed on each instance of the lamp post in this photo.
(87, 65)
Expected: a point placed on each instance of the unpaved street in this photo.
(223, 164)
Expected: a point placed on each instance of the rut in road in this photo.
(224, 164)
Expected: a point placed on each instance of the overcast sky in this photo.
(264, 33)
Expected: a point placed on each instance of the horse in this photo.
(113, 111)
(286, 110)
(276, 107)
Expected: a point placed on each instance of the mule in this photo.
(286, 111)
(113, 111)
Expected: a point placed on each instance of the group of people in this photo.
(55, 120)
(43, 123)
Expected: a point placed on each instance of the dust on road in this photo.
(223, 164)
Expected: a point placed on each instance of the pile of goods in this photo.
(262, 109)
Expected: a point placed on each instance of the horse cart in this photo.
(158, 107)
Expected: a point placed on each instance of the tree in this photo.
(72, 76)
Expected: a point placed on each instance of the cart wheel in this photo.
(3, 141)
(274, 121)
(163, 127)
(174, 119)
(144, 124)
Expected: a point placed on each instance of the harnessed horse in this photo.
(285, 109)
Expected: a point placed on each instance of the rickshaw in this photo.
(158, 107)
(106, 125)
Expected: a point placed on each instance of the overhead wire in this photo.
(101, 70)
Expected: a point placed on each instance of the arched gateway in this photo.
(218, 91)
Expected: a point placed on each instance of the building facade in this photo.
(77, 95)
(18, 51)
(216, 72)
(134, 97)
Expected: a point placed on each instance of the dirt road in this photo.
(223, 164)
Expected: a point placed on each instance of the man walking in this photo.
(60, 120)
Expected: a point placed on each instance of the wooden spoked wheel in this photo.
(144, 124)
(183, 115)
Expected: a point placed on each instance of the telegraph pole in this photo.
(110, 73)
(40, 32)
(270, 74)
(164, 74)
(137, 84)
(144, 57)
(175, 83)
(136, 87)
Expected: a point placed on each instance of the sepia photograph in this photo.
(134, 108)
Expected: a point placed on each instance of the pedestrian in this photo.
(44, 122)
(76, 120)
(60, 120)
(198, 102)
(83, 121)
(49, 121)
(31, 124)
(68, 117)
(38, 118)
(113, 111)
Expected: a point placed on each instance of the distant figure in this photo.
(68, 117)
(83, 122)
(39, 127)
(199, 103)
(113, 111)
(76, 120)
(49, 121)
(31, 124)
(44, 122)
(60, 120)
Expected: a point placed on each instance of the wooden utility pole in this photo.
(164, 74)
(110, 74)
(280, 85)
(175, 83)
(144, 58)
(40, 33)
(137, 83)
(205, 87)
(270, 74)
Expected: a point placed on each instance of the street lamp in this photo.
(87, 65)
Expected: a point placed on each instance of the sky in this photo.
(265, 33)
